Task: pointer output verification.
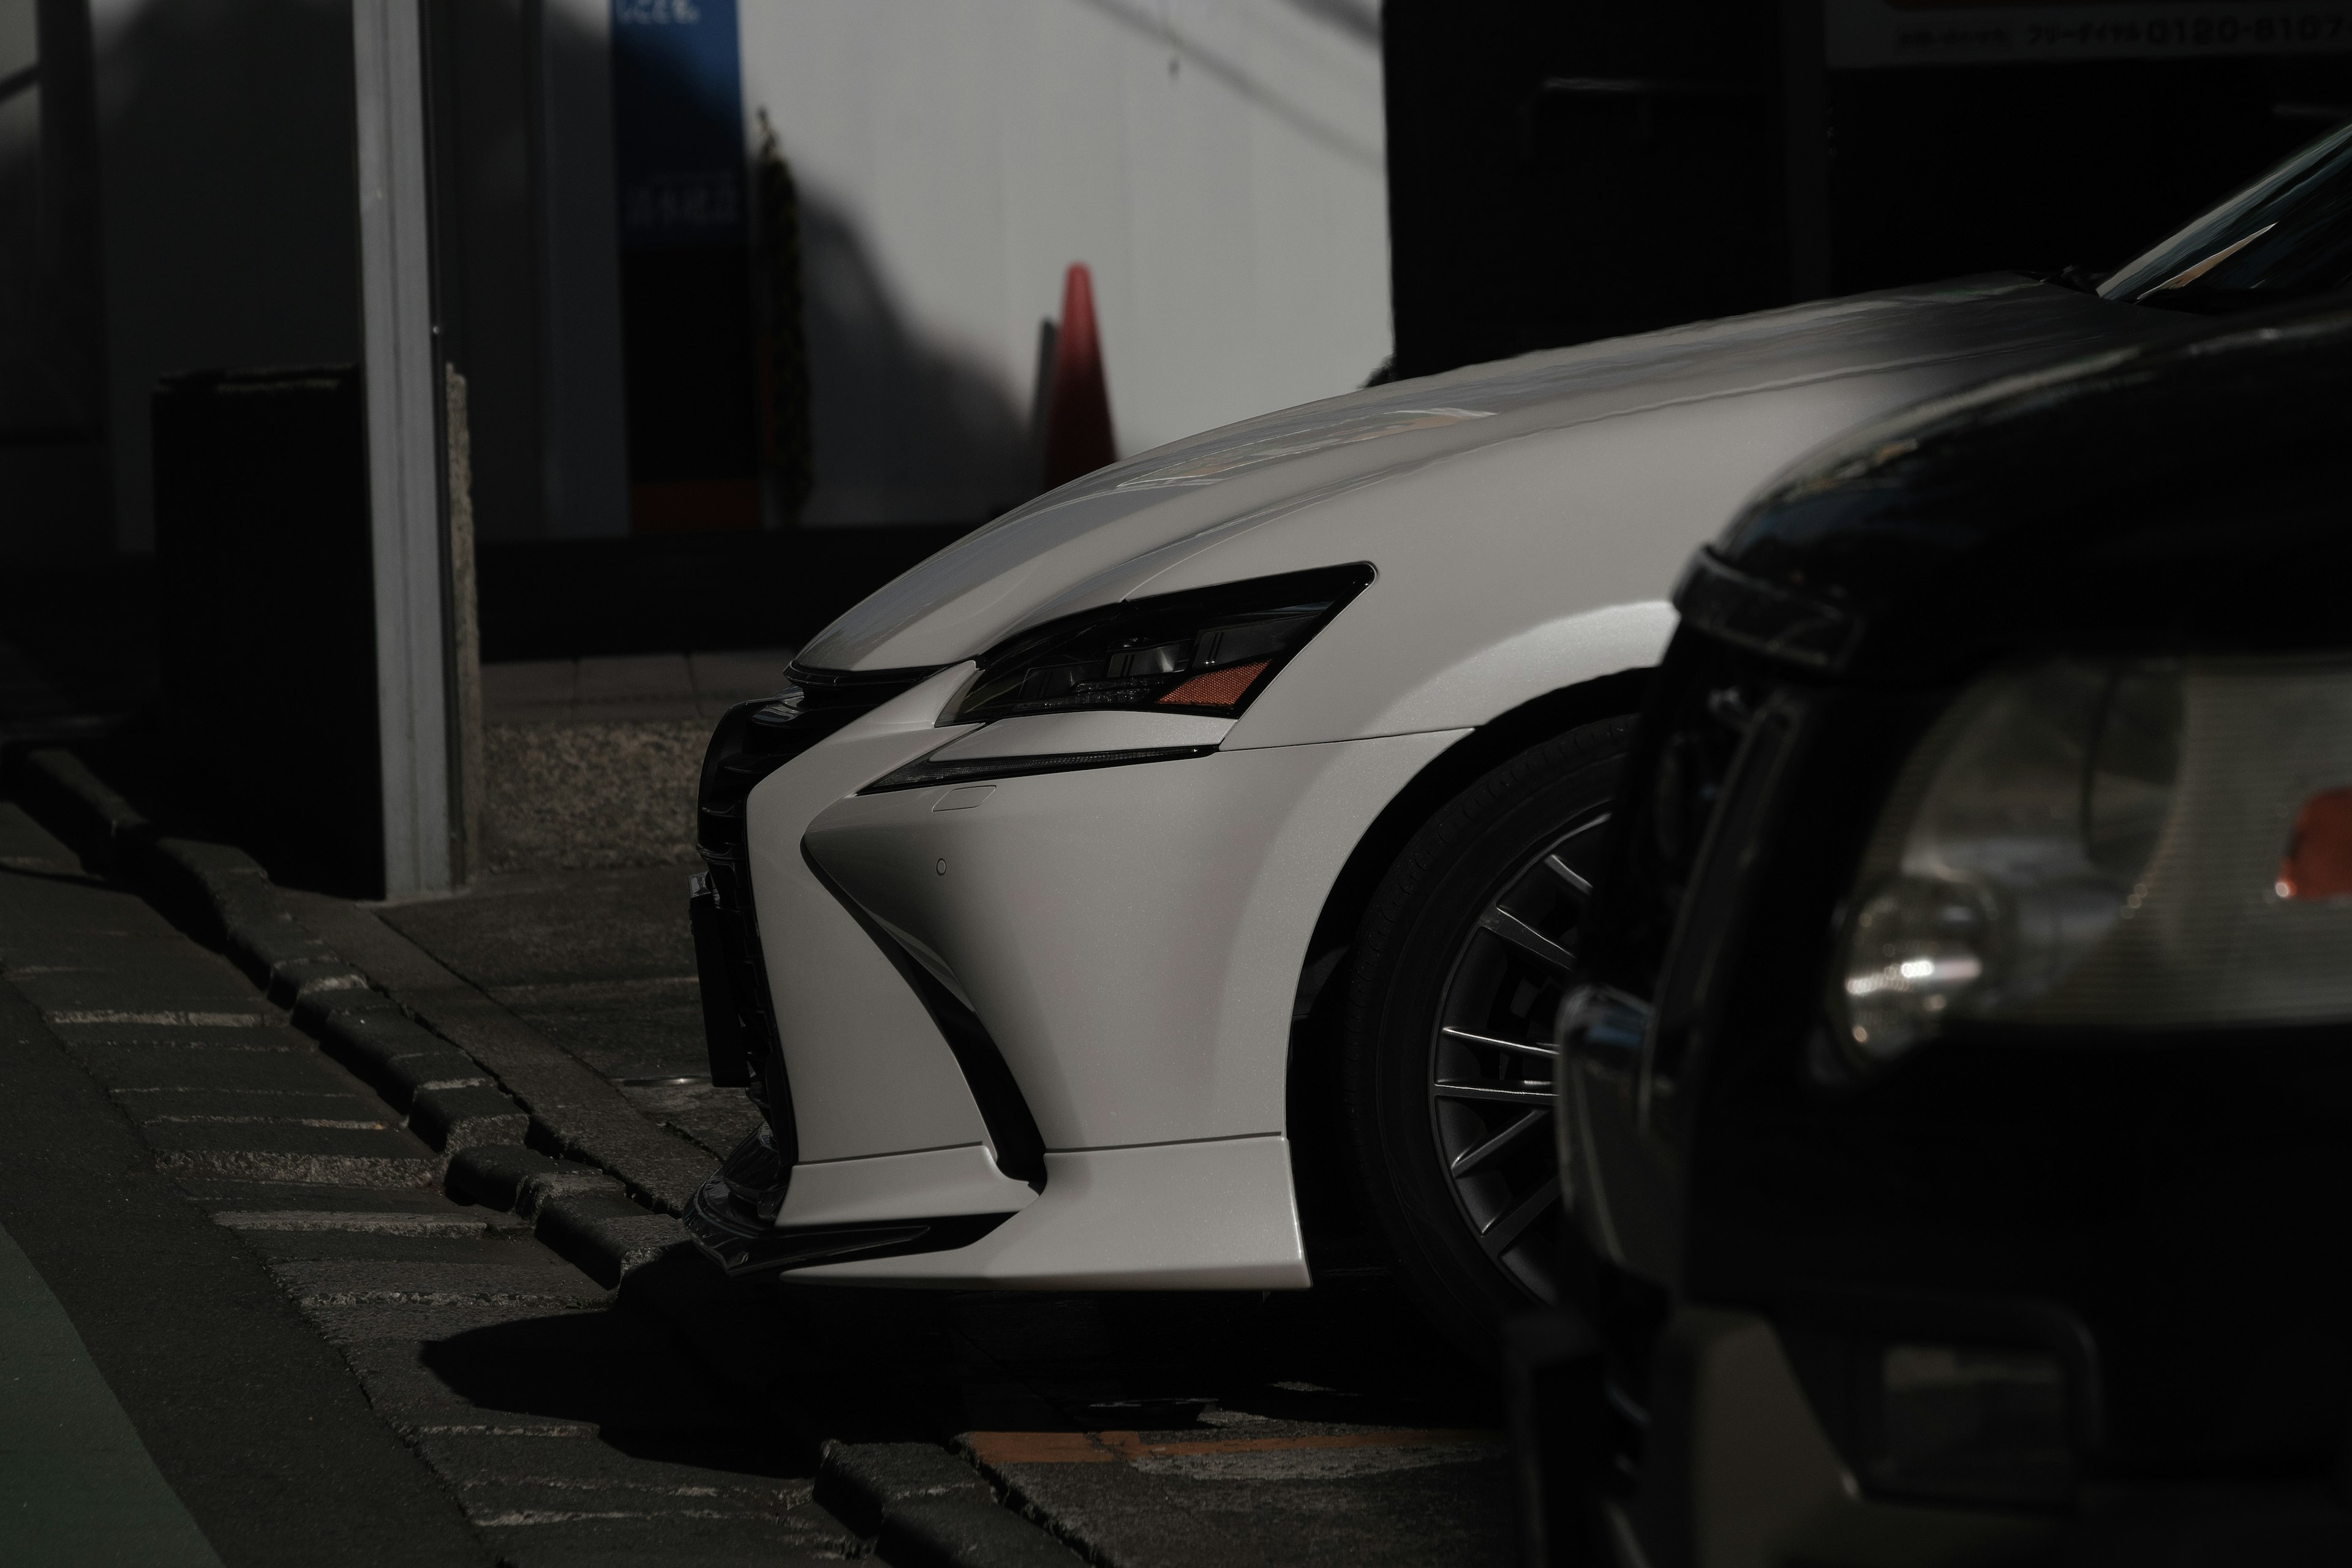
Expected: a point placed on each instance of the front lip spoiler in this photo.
(739, 1246)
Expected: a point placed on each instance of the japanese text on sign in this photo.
(1861, 34)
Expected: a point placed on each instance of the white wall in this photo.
(1217, 163)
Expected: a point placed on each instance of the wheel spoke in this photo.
(1505, 1229)
(1492, 1116)
(1494, 1094)
(1525, 1048)
(1528, 939)
(1567, 873)
(1470, 1160)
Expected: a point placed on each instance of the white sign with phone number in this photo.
(1862, 34)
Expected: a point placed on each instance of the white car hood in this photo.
(1101, 537)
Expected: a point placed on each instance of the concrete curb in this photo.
(924, 1507)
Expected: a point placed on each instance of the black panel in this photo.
(1937, 171)
(574, 599)
(262, 547)
(1559, 173)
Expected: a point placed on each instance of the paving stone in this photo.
(228, 1194)
(570, 1179)
(494, 1174)
(375, 1137)
(293, 979)
(155, 1027)
(285, 1062)
(479, 1235)
(862, 1482)
(461, 1117)
(606, 1236)
(627, 1030)
(955, 1532)
(525, 1274)
(374, 1154)
(173, 1103)
(101, 994)
(621, 1465)
(564, 1539)
(352, 1322)
(1454, 1512)
(717, 1119)
(392, 1053)
(411, 1074)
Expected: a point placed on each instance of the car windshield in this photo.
(2288, 235)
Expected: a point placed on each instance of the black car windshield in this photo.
(2288, 235)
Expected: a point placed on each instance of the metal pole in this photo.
(403, 445)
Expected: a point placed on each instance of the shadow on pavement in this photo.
(611, 1371)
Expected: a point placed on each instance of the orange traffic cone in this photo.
(1078, 412)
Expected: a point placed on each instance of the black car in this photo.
(1957, 1123)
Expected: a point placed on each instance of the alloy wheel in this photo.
(1491, 1058)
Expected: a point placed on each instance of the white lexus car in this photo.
(1203, 843)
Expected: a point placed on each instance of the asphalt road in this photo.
(271, 1337)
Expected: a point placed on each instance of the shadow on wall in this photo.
(904, 430)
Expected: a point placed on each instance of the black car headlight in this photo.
(2148, 845)
(1206, 652)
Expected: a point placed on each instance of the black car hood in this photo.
(2190, 493)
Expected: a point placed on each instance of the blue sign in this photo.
(678, 122)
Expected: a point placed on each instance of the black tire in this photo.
(1436, 953)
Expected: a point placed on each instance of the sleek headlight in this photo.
(2136, 845)
(1207, 652)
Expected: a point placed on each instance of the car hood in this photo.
(1102, 537)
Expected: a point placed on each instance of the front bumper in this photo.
(2085, 1287)
(1123, 943)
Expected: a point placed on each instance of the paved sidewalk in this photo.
(511, 1409)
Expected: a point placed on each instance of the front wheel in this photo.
(1460, 965)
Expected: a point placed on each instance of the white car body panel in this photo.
(870, 1073)
(1168, 1216)
(929, 1181)
(1213, 868)
(1131, 938)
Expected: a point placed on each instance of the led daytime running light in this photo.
(1207, 652)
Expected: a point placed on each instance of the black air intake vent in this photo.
(751, 742)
